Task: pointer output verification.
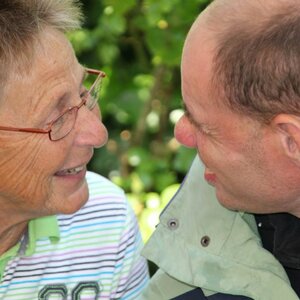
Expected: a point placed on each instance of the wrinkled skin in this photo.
(29, 186)
(245, 161)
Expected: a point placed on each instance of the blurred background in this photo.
(138, 44)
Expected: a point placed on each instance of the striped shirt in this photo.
(91, 254)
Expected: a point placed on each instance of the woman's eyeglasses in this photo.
(62, 125)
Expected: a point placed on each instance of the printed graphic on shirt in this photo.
(83, 290)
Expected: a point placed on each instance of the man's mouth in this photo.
(210, 178)
(71, 171)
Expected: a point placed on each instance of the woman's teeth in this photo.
(72, 171)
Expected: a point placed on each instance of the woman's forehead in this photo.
(55, 71)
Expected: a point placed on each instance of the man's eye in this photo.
(202, 130)
(200, 127)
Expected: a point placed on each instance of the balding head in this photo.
(256, 54)
(241, 90)
(225, 14)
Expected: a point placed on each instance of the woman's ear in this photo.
(288, 128)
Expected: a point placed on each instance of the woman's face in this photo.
(40, 177)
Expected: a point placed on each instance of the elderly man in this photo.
(65, 233)
(239, 236)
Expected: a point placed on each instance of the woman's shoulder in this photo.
(100, 185)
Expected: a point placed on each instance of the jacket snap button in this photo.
(205, 241)
(173, 224)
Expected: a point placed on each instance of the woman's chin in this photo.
(73, 198)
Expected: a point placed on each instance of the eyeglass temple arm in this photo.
(34, 130)
(95, 72)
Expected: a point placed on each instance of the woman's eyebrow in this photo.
(83, 77)
(63, 98)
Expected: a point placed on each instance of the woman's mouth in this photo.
(71, 171)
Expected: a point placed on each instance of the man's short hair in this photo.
(257, 63)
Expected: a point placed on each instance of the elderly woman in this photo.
(64, 232)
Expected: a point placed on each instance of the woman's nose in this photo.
(90, 129)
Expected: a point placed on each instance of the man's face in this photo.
(242, 158)
(40, 177)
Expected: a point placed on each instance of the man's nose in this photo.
(184, 132)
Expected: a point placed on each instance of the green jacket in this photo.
(199, 243)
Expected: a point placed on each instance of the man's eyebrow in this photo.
(190, 117)
(192, 120)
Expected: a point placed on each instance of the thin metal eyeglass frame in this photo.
(100, 74)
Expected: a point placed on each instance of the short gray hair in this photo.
(22, 22)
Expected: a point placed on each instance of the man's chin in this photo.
(226, 201)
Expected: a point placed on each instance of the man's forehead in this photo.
(222, 14)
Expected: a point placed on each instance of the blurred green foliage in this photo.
(138, 43)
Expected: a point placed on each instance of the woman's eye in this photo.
(84, 94)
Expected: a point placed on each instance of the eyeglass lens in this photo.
(65, 123)
(94, 93)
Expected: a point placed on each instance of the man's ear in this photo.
(288, 128)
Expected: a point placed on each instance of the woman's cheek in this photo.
(17, 168)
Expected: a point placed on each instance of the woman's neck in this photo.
(11, 236)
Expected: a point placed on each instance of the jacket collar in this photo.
(205, 245)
